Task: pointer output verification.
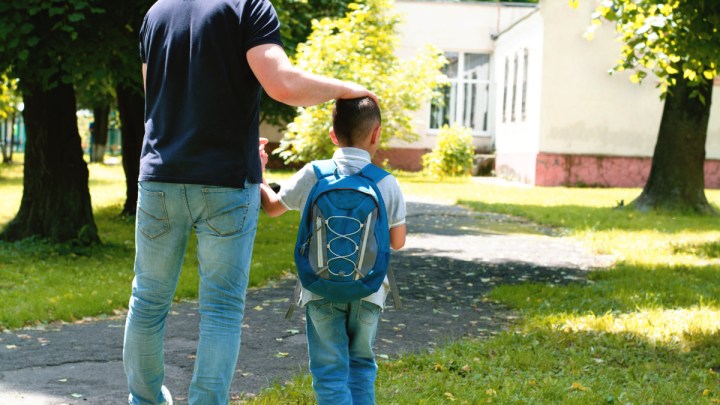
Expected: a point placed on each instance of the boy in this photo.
(341, 336)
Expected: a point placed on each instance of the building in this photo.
(562, 120)
(538, 94)
(465, 32)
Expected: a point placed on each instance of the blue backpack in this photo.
(343, 244)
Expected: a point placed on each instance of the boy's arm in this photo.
(397, 236)
(270, 202)
(268, 198)
(396, 210)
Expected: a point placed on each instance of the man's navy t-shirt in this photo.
(202, 99)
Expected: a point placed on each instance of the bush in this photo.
(453, 154)
(361, 48)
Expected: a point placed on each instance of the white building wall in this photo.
(587, 111)
(517, 140)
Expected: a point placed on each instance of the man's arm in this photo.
(291, 85)
(144, 71)
(397, 236)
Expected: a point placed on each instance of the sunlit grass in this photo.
(657, 325)
(11, 186)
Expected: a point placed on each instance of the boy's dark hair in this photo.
(354, 119)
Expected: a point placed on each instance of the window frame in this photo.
(457, 111)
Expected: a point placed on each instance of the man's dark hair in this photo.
(354, 119)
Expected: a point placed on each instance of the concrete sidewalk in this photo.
(452, 258)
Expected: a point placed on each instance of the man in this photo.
(204, 62)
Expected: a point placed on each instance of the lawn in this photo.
(43, 282)
(643, 331)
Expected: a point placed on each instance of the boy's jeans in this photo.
(225, 221)
(340, 341)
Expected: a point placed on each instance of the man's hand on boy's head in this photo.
(353, 90)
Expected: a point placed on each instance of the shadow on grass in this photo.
(707, 250)
(580, 218)
(622, 289)
(11, 180)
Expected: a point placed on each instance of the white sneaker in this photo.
(166, 394)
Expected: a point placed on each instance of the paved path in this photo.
(452, 258)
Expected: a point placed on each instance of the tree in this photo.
(95, 92)
(678, 43)
(9, 103)
(131, 107)
(116, 79)
(44, 44)
(360, 47)
(124, 20)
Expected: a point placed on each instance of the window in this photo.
(523, 108)
(506, 78)
(514, 88)
(466, 100)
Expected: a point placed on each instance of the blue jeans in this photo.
(340, 341)
(225, 221)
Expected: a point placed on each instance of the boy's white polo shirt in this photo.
(295, 191)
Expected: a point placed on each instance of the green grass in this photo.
(44, 282)
(644, 331)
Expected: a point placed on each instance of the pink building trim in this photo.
(605, 171)
(402, 158)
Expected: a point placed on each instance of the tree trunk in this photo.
(100, 133)
(131, 105)
(56, 200)
(677, 177)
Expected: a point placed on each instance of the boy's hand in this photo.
(263, 154)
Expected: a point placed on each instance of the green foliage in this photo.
(360, 48)
(664, 38)
(296, 18)
(48, 41)
(453, 154)
(9, 97)
(92, 43)
(95, 91)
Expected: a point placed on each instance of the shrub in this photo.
(361, 48)
(453, 154)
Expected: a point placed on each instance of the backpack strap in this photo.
(324, 168)
(295, 300)
(394, 288)
(373, 173)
